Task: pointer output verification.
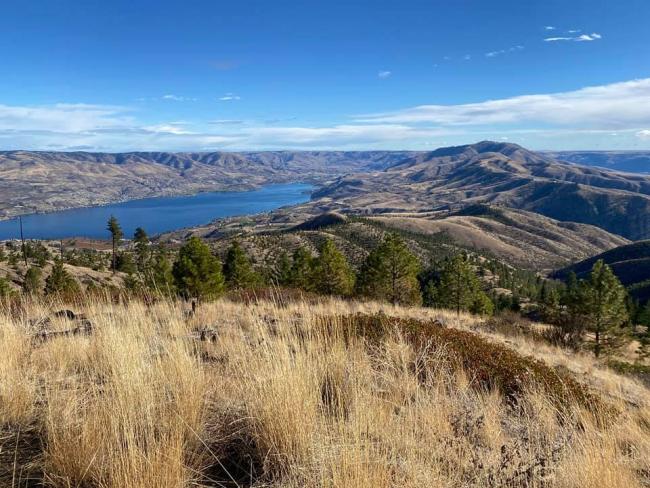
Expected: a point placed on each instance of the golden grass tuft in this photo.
(278, 396)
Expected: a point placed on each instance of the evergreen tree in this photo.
(33, 282)
(125, 263)
(458, 284)
(390, 272)
(5, 289)
(481, 304)
(430, 296)
(283, 270)
(159, 276)
(643, 317)
(60, 281)
(603, 304)
(114, 228)
(331, 272)
(3, 254)
(300, 275)
(238, 270)
(550, 307)
(197, 273)
(141, 242)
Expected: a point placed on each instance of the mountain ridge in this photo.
(450, 178)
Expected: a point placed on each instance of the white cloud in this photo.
(171, 128)
(584, 117)
(512, 49)
(384, 74)
(63, 117)
(467, 57)
(625, 104)
(549, 28)
(178, 98)
(581, 38)
(229, 97)
(574, 31)
(589, 37)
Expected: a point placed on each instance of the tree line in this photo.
(598, 305)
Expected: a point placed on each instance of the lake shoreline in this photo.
(288, 194)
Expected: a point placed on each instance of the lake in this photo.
(155, 215)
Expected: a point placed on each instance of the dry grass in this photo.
(279, 399)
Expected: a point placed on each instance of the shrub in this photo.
(489, 365)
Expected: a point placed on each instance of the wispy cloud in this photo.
(384, 74)
(229, 97)
(170, 128)
(225, 122)
(581, 38)
(467, 57)
(178, 98)
(568, 119)
(64, 117)
(549, 27)
(616, 105)
(512, 49)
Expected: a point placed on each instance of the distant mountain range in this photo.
(630, 161)
(48, 181)
(449, 179)
(361, 182)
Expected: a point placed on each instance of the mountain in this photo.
(501, 174)
(631, 263)
(48, 181)
(629, 161)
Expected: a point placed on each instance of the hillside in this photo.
(631, 263)
(504, 174)
(305, 394)
(514, 237)
(48, 181)
(629, 161)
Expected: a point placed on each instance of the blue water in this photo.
(155, 215)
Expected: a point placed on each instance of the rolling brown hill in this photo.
(48, 181)
(449, 179)
(523, 239)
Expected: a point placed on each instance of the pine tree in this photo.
(283, 270)
(301, 269)
(430, 296)
(643, 317)
(141, 241)
(114, 228)
(331, 272)
(159, 276)
(33, 282)
(60, 282)
(197, 273)
(603, 305)
(481, 304)
(5, 289)
(458, 284)
(125, 263)
(238, 270)
(551, 307)
(390, 272)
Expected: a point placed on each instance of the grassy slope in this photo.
(277, 399)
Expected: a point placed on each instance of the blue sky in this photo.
(410, 74)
